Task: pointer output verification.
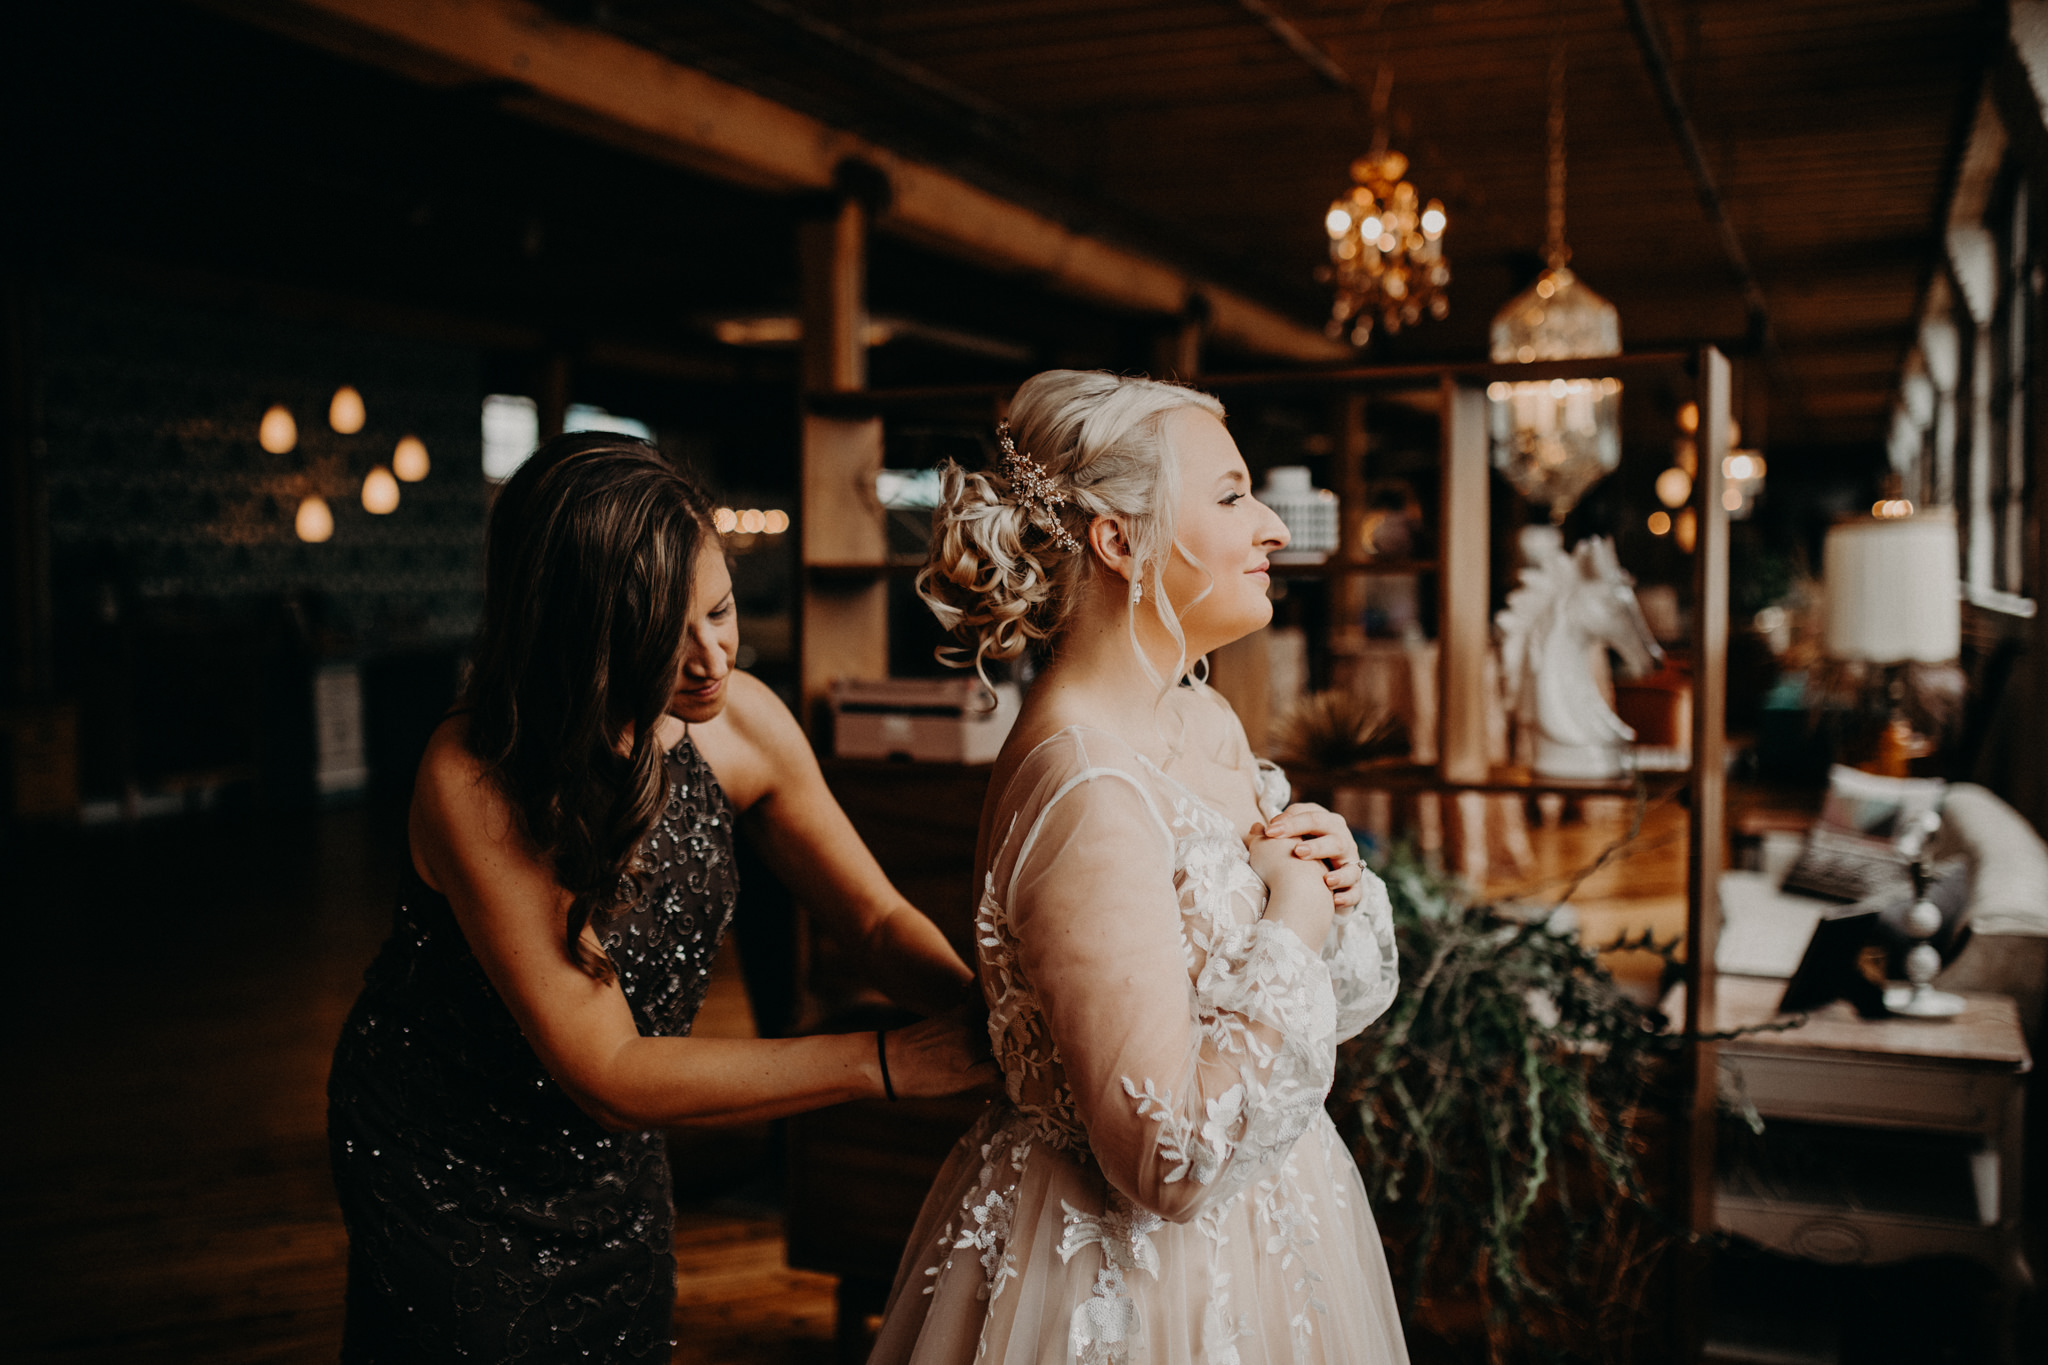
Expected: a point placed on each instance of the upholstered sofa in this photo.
(2008, 916)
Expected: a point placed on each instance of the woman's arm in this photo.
(805, 835)
(512, 912)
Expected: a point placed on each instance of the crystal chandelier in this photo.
(1555, 438)
(1386, 251)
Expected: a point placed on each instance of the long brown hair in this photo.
(587, 569)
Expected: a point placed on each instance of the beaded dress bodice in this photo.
(462, 1164)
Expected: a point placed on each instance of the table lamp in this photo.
(1890, 586)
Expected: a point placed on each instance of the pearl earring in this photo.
(1137, 592)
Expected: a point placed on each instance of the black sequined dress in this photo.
(489, 1218)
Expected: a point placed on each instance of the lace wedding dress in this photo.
(1161, 1183)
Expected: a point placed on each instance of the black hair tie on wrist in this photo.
(882, 1056)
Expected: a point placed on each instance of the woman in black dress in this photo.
(496, 1096)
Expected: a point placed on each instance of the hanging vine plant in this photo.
(1499, 1115)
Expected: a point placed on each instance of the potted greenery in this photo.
(1499, 1114)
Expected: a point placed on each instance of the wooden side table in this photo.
(1883, 1139)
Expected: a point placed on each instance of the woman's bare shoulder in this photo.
(755, 745)
(455, 798)
(449, 768)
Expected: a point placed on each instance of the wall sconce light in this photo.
(380, 491)
(314, 523)
(345, 413)
(278, 433)
(409, 461)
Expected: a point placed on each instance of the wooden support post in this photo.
(1463, 625)
(1348, 591)
(554, 393)
(2031, 792)
(1177, 351)
(843, 622)
(1708, 843)
(832, 264)
(23, 504)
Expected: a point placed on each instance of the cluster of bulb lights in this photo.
(751, 521)
(278, 433)
(1386, 252)
(1891, 509)
(1742, 473)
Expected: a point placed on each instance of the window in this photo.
(511, 431)
(584, 417)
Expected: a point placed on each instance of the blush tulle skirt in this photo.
(1022, 1255)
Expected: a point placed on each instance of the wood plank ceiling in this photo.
(1194, 128)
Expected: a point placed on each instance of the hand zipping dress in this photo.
(1162, 1183)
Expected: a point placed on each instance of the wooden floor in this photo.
(164, 1193)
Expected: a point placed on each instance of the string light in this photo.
(1660, 523)
(750, 521)
(278, 433)
(380, 491)
(345, 413)
(314, 522)
(409, 461)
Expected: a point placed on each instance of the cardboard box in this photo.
(923, 720)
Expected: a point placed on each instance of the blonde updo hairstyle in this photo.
(997, 578)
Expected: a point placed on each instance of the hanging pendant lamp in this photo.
(1555, 438)
(1386, 245)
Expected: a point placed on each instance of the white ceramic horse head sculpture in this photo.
(1569, 605)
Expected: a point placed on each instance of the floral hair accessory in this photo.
(1034, 490)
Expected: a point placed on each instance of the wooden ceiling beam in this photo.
(607, 87)
(1651, 43)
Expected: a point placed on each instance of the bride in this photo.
(1169, 951)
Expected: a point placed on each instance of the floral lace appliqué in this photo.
(983, 1222)
(1102, 1327)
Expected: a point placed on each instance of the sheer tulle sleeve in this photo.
(1196, 1052)
(1365, 968)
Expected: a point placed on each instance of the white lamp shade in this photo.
(1891, 590)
